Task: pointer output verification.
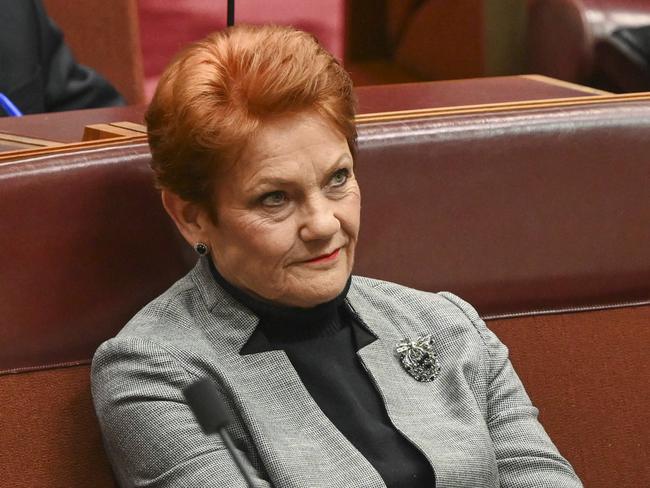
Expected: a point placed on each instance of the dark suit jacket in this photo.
(37, 70)
(474, 423)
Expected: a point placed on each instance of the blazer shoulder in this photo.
(400, 296)
(170, 321)
(426, 311)
(174, 306)
(165, 332)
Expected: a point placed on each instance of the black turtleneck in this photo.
(322, 344)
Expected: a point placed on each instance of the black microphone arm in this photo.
(230, 20)
(210, 411)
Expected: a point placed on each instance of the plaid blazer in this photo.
(474, 422)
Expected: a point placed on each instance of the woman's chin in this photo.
(314, 294)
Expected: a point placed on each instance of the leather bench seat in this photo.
(539, 217)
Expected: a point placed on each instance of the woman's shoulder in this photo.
(173, 309)
(424, 310)
(395, 295)
(193, 324)
(165, 323)
(165, 342)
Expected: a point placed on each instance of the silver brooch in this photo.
(418, 358)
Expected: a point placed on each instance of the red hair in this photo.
(217, 92)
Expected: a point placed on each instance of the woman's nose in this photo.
(320, 222)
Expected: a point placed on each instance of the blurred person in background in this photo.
(38, 72)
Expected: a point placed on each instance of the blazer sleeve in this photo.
(526, 456)
(150, 434)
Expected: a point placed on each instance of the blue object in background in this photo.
(8, 106)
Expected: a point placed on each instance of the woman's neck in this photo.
(283, 323)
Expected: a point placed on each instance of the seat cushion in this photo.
(49, 434)
(587, 372)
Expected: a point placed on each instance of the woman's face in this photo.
(288, 213)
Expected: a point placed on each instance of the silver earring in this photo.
(201, 248)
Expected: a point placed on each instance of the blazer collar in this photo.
(232, 323)
(243, 323)
(379, 325)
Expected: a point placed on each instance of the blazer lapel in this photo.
(290, 430)
(428, 414)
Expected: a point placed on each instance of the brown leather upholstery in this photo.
(562, 34)
(588, 375)
(520, 212)
(49, 432)
(104, 35)
(86, 245)
(516, 211)
(89, 245)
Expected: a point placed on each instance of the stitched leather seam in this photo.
(552, 311)
(42, 367)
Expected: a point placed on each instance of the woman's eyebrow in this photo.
(336, 165)
(270, 181)
(342, 158)
(278, 180)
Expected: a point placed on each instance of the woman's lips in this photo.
(325, 257)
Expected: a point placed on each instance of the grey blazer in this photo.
(474, 423)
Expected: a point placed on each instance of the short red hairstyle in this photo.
(217, 92)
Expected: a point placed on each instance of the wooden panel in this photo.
(20, 142)
(110, 131)
(68, 126)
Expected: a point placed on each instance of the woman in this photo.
(252, 136)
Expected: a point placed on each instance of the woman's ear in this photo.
(190, 218)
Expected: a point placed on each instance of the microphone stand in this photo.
(211, 413)
(231, 13)
(230, 445)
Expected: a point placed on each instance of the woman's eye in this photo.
(274, 199)
(340, 177)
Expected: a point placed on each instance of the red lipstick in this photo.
(325, 257)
